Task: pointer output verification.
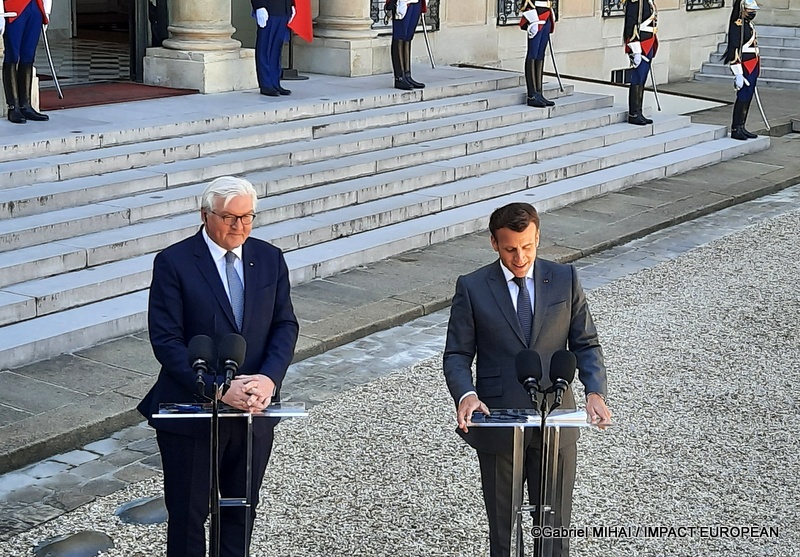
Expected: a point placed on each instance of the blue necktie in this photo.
(524, 309)
(236, 289)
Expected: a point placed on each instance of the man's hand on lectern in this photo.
(597, 411)
(469, 404)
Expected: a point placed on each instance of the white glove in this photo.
(738, 77)
(533, 22)
(636, 59)
(261, 17)
(402, 8)
(2, 21)
(48, 7)
(294, 13)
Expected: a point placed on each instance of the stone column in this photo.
(200, 53)
(344, 42)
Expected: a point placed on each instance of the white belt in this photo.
(543, 4)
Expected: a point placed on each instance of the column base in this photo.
(343, 57)
(206, 71)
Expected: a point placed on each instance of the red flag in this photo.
(301, 24)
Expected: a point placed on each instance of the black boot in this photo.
(634, 106)
(534, 98)
(12, 96)
(737, 123)
(400, 81)
(25, 81)
(538, 74)
(407, 69)
(641, 104)
(748, 135)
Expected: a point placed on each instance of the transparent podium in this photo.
(181, 411)
(520, 419)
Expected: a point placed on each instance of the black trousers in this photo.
(187, 482)
(496, 478)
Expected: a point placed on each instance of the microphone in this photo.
(529, 370)
(231, 352)
(562, 372)
(201, 352)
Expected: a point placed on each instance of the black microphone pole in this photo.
(562, 372)
(231, 353)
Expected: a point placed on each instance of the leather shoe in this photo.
(269, 91)
(283, 91)
(537, 100)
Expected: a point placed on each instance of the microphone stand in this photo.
(214, 541)
(541, 511)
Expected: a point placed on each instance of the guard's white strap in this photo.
(649, 24)
(636, 47)
(736, 69)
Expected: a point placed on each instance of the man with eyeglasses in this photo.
(217, 282)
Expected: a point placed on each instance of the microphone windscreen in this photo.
(233, 347)
(201, 347)
(528, 364)
(562, 366)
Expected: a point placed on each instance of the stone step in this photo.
(73, 329)
(778, 41)
(767, 72)
(144, 237)
(36, 166)
(778, 31)
(65, 291)
(166, 122)
(55, 225)
(770, 62)
(494, 110)
(766, 82)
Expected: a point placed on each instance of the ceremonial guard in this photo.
(742, 55)
(641, 44)
(538, 20)
(21, 34)
(272, 18)
(405, 16)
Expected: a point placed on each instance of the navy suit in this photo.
(187, 298)
(484, 325)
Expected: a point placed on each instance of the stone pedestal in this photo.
(206, 71)
(200, 53)
(344, 42)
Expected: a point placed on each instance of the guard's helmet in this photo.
(750, 5)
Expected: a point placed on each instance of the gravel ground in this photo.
(703, 359)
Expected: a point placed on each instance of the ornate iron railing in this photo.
(507, 11)
(692, 5)
(380, 22)
(613, 8)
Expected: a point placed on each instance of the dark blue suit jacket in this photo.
(484, 327)
(187, 298)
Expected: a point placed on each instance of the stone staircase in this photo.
(779, 48)
(341, 184)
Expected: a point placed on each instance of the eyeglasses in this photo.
(230, 220)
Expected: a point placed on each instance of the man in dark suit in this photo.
(215, 283)
(485, 323)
